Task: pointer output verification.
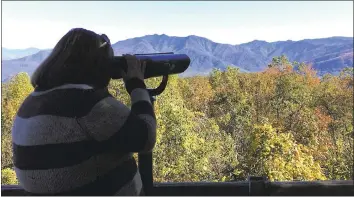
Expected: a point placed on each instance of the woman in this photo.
(70, 136)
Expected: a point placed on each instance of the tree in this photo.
(13, 94)
(335, 97)
(189, 146)
(276, 154)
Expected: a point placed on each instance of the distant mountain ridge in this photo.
(8, 54)
(325, 54)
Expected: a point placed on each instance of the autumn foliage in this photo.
(285, 123)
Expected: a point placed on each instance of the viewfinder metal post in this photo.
(145, 161)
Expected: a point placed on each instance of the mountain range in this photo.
(327, 55)
(8, 54)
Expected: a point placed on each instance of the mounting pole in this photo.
(145, 161)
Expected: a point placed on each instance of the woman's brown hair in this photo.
(80, 57)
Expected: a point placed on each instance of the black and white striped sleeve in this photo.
(118, 127)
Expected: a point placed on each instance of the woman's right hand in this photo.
(135, 68)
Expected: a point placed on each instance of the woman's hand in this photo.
(135, 68)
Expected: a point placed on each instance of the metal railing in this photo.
(255, 186)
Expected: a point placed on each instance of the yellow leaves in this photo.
(188, 141)
(281, 157)
(197, 91)
(282, 123)
(224, 178)
(8, 177)
(202, 140)
(14, 93)
(297, 154)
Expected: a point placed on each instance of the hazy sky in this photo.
(42, 24)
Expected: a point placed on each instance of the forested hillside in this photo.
(285, 123)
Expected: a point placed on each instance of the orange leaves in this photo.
(323, 119)
(198, 92)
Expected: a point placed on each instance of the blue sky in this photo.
(42, 24)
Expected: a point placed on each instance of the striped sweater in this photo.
(77, 140)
